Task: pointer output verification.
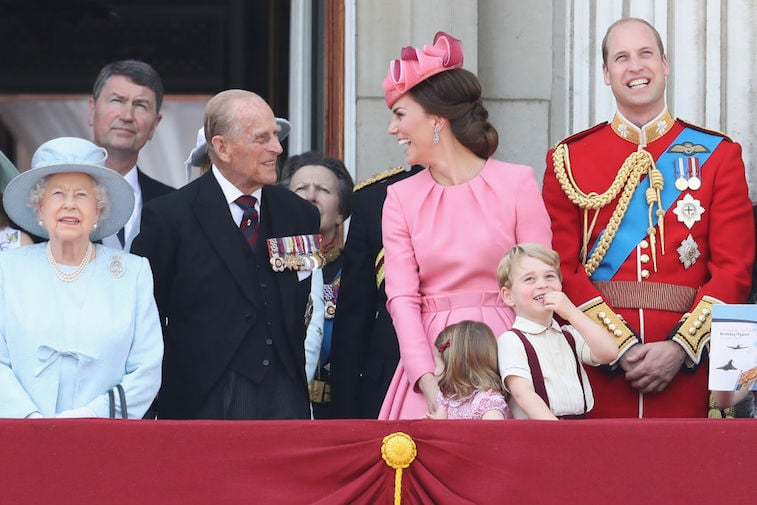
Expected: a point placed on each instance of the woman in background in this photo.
(325, 182)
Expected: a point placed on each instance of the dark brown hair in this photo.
(456, 96)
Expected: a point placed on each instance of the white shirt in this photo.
(558, 365)
(231, 193)
(131, 228)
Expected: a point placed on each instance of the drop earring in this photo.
(435, 138)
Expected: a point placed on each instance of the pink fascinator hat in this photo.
(417, 65)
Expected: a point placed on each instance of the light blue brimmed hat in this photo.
(68, 155)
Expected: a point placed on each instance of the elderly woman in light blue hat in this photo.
(76, 319)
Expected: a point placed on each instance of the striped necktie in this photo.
(250, 222)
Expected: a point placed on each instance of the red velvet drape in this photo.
(339, 462)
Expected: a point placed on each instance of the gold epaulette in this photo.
(715, 412)
(693, 332)
(603, 315)
(705, 130)
(580, 134)
(379, 177)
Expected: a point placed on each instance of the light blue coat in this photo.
(65, 345)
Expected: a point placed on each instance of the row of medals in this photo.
(687, 170)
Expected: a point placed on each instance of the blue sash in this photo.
(633, 226)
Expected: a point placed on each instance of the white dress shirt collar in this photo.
(533, 328)
(231, 193)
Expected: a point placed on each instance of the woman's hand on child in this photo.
(430, 388)
(439, 413)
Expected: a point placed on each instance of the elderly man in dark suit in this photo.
(233, 316)
(124, 112)
(365, 351)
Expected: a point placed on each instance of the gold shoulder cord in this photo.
(634, 167)
(378, 177)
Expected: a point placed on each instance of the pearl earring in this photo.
(435, 138)
(94, 226)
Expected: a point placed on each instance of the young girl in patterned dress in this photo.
(469, 382)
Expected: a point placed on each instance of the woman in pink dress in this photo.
(446, 228)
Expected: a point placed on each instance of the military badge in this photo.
(694, 181)
(116, 266)
(298, 252)
(682, 178)
(689, 210)
(623, 130)
(687, 174)
(688, 251)
(661, 127)
(330, 293)
(688, 148)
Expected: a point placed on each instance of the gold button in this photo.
(602, 314)
(644, 258)
(617, 333)
(697, 324)
(692, 331)
(645, 274)
(611, 327)
(643, 244)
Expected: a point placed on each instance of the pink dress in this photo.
(442, 245)
(475, 406)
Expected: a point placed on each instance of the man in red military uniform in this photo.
(653, 223)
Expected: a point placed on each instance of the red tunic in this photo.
(724, 237)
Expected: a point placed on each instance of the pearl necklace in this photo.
(70, 276)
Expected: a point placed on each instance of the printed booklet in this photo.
(733, 347)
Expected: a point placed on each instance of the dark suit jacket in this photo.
(204, 291)
(364, 348)
(150, 187)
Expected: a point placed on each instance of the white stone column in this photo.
(381, 30)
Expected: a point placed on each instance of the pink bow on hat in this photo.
(417, 65)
